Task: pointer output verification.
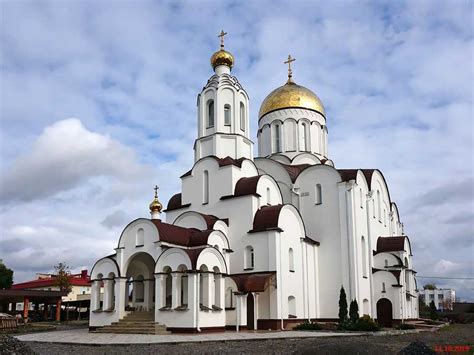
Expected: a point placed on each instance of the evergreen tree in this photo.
(433, 311)
(342, 305)
(354, 311)
(6, 276)
(62, 277)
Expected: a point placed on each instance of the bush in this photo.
(433, 311)
(342, 305)
(367, 324)
(308, 326)
(405, 326)
(354, 311)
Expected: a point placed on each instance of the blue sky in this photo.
(98, 103)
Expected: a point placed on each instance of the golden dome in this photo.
(155, 205)
(291, 95)
(222, 57)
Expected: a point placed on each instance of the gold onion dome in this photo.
(222, 57)
(155, 205)
(291, 95)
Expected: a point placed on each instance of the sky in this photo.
(98, 104)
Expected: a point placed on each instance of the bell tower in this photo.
(223, 112)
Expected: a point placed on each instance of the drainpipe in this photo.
(282, 325)
(307, 282)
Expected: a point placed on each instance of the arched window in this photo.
(361, 197)
(379, 206)
(277, 138)
(227, 115)
(386, 263)
(217, 287)
(205, 187)
(383, 287)
(373, 207)
(249, 257)
(318, 194)
(140, 238)
(291, 260)
(210, 113)
(384, 217)
(364, 257)
(268, 196)
(291, 307)
(242, 116)
(365, 307)
(304, 139)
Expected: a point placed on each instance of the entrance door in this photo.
(250, 308)
(384, 312)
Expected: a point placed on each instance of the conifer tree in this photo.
(342, 305)
(354, 311)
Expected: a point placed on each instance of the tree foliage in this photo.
(430, 287)
(6, 276)
(342, 305)
(354, 311)
(433, 311)
(62, 278)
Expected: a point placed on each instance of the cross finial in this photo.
(221, 36)
(290, 72)
(156, 188)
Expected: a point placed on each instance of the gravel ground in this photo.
(378, 344)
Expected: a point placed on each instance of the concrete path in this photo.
(82, 336)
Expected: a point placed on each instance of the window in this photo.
(291, 260)
(210, 113)
(242, 116)
(373, 207)
(364, 257)
(249, 257)
(386, 263)
(440, 296)
(291, 307)
(361, 198)
(379, 206)
(384, 218)
(277, 138)
(268, 196)
(432, 296)
(205, 190)
(227, 115)
(140, 238)
(304, 144)
(318, 194)
(383, 287)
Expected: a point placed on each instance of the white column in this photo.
(95, 299)
(218, 291)
(207, 290)
(146, 294)
(193, 293)
(255, 310)
(175, 290)
(121, 296)
(160, 291)
(107, 294)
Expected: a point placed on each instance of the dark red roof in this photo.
(179, 235)
(295, 170)
(194, 255)
(395, 273)
(351, 174)
(247, 186)
(175, 203)
(386, 244)
(266, 218)
(222, 162)
(81, 279)
(252, 282)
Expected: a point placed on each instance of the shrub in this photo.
(405, 326)
(342, 305)
(308, 326)
(354, 311)
(433, 311)
(366, 323)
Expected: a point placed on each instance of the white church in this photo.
(260, 242)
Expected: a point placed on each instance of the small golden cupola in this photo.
(155, 206)
(291, 95)
(222, 57)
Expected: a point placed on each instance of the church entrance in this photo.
(384, 312)
(140, 288)
(250, 311)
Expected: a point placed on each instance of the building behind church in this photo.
(260, 242)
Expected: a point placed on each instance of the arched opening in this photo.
(277, 140)
(140, 237)
(98, 302)
(227, 115)
(291, 260)
(140, 282)
(384, 312)
(249, 257)
(109, 292)
(204, 294)
(250, 311)
(229, 298)
(168, 287)
(205, 187)
(318, 194)
(268, 196)
(183, 286)
(210, 113)
(365, 307)
(217, 288)
(242, 116)
(364, 257)
(291, 307)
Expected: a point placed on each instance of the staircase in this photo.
(135, 323)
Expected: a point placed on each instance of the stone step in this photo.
(135, 325)
(133, 330)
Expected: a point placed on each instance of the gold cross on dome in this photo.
(156, 188)
(289, 61)
(221, 36)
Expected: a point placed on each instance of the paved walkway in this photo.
(82, 336)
